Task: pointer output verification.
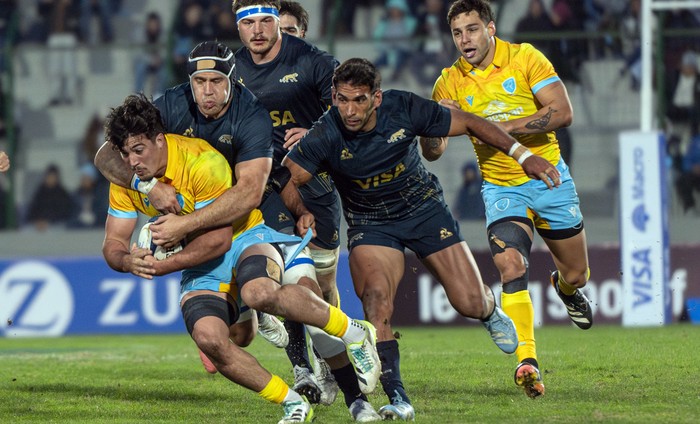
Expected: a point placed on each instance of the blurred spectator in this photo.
(149, 65)
(393, 36)
(675, 45)
(435, 50)
(630, 35)
(8, 14)
(469, 204)
(223, 24)
(535, 21)
(688, 181)
(51, 203)
(93, 138)
(567, 53)
(90, 200)
(189, 30)
(683, 109)
(62, 57)
(104, 10)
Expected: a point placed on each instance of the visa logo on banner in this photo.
(644, 243)
(84, 296)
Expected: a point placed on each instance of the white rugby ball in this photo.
(146, 241)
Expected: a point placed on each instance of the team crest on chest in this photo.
(225, 139)
(289, 78)
(509, 85)
(398, 135)
(470, 100)
(345, 154)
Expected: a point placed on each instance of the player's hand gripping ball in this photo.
(159, 252)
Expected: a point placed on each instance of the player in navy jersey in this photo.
(391, 202)
(292, 79)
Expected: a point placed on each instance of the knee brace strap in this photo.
(325, 261)
(207, 305)
(258, 266)
(507, 234)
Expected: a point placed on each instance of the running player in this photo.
(516, 87)
(391, 202)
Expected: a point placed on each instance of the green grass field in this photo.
(454, 375)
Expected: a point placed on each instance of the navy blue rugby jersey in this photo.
(295, 87)
(379, 174)
(243, 133)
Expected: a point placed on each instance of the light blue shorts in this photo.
(217, 274)
(555, 209)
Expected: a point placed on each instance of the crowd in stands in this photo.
(412, 41)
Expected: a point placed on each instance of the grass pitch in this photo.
(454, 375)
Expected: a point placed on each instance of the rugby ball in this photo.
(146, 241)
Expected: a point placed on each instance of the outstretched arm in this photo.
(536, 167)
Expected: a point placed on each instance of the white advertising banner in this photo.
(644, 245)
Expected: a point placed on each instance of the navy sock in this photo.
(391, 372)
(296, 350)
(347, 383)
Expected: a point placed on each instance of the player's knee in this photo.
(242, 334)
(258, 276)
(376, 299)
(510, 247)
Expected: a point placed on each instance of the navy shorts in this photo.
(275, 213)
(429, 230)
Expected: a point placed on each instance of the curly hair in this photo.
(136, 116)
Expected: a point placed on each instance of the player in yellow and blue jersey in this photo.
(247, 250)
(516, 87)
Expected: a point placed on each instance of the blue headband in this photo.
(249, 11)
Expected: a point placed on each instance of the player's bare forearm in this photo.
(111, 165)
(486, 131)
(114, 252)
(432, 148)
(209, 245)
(556, 112)
(300, 176)
(292, 200)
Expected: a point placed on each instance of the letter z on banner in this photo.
(644, 229)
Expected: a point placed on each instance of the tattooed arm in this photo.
(433, 147)
(556, 112)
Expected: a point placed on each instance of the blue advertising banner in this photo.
(51, 297)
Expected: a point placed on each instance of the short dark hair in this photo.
(481, 7)
(297, 10)
(136, 116)
(357, 72)
(237, 4)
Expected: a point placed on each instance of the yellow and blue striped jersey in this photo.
(199, 174)
(504, 90)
